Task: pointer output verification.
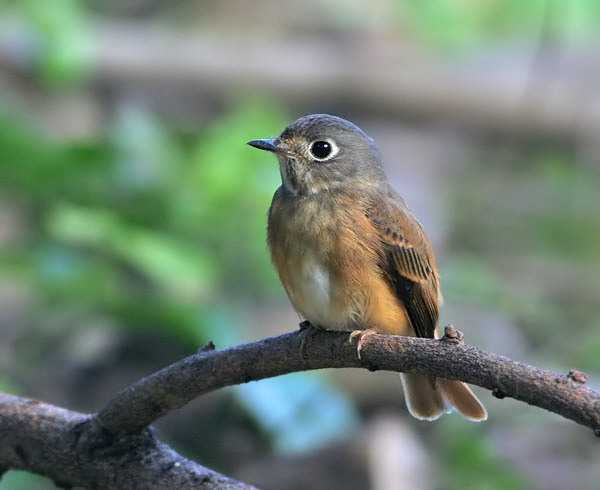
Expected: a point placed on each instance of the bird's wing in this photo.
(408, 262)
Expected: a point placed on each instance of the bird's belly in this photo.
(314, 293)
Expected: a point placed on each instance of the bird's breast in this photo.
(328, 257)
(306, 248)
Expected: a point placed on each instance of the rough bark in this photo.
(115, 449)
(72, 450)
(138, 405)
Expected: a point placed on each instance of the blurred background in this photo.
(132, 218)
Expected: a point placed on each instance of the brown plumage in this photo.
(349, 252)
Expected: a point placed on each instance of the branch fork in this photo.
(115, 446)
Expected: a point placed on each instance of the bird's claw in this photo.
(306, 330)
(361, 334)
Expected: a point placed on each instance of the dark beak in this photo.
(269, 145)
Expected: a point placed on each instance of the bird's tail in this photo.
(428, 398)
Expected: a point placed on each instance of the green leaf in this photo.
(181, 270)
(63, 45)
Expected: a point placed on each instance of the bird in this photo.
(349, 252)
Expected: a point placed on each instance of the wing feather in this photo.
(408, 263)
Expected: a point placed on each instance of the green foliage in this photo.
(467, 276)
(546, 202)
(528, 234)
(472, 464)
(450, 25)
(143, 216)
(227, 191)
(60, 46)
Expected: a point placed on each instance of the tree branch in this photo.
(139, 405)
(114, 447)
(67, 447)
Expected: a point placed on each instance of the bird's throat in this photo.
(289, 177)
(298, 180)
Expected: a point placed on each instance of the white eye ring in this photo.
(323, 149)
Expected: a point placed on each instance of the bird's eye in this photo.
(321, 149)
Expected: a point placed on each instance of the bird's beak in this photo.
(269, 145)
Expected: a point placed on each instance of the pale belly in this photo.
(315, 294)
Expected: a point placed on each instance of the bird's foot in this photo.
(306, 331)
(361, 334)
(304, 324)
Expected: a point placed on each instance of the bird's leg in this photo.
(361, 334)
(304, 324)
(306, 331)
